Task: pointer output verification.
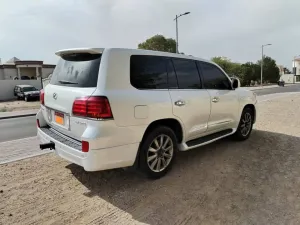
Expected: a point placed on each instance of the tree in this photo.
(250, 72)
(159, 43)
(270, 70)
(232, 68)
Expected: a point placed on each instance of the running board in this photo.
(208, 138)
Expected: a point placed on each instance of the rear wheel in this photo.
(157, 152)
(245, 126)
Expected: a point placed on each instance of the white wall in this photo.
(7, 87)
(287, 78)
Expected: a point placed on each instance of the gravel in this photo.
(252, 182)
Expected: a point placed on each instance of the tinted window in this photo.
(77, 70)
(213, 77)
(148, 72)
(187, 74)
(172, 79)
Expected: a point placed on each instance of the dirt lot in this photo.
(253, 182)
(10, 106)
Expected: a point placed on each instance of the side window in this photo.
(148, 72)
(213, 77)
(172, 78)
(187, 73)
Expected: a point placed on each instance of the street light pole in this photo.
(176, 34)
(176, 20)
(262, 63)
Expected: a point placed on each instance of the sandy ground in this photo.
(18, 105)
(253, 182)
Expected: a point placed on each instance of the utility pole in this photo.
(262, 63)
(176, 20)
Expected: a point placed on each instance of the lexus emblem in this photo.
(55, 96)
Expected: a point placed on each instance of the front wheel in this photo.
(157, 152)
(245, 126)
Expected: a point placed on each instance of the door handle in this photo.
(180, 103)
(215, 99)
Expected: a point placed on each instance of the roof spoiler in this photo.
(80, 50)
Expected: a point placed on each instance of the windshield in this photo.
(77, 70)
(25, 89)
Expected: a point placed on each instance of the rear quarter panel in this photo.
(130, 106)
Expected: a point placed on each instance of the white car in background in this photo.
(111, 108)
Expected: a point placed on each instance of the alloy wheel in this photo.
(246, 124)
(160, 153)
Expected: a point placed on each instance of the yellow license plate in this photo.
(59, 118)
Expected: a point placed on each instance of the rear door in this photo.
(75, 75)
(224, 99)
(191, 103)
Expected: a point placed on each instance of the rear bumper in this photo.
(94, 160)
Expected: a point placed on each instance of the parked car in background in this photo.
(26, 92)
(281, 83)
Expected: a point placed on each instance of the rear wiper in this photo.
(66, 82)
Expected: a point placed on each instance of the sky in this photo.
(36, 29)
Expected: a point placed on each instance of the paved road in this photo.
(267, 91)
(11, 129)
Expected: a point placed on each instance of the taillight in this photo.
(42, 97)
(38, 123)
(93, 107)
(85, 146)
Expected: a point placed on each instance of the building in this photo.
(16, 69)
(296, 66)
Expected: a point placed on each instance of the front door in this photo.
(224, 99)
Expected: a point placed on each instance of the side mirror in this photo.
(235, 83)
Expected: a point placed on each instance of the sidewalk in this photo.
(20, 149)
(16, 114)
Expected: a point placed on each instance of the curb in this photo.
(17, 116)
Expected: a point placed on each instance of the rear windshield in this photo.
(77, 70)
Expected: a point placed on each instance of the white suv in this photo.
(112, 108)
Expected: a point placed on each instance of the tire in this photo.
(246, 120)
(165, 156)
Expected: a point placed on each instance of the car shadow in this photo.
(256, 181)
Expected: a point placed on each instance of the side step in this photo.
(207, 138)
